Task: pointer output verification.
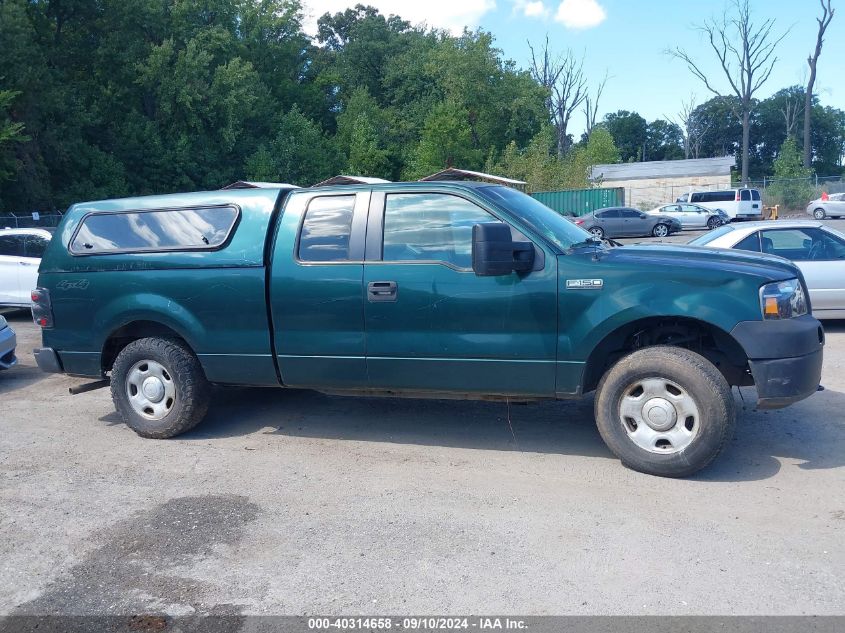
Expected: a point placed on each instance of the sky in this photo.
(627, 39)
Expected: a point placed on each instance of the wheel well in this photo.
(716, 345)
(133, 331)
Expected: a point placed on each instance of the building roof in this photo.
(720, 166)
(252, 184)
(350, 180)
(464, 174)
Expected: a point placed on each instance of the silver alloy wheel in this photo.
(714, 223)
(597, 232)
(661, 230)
(151, 390)
(818, 214)
(659, 415)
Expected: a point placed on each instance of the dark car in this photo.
(628, 222)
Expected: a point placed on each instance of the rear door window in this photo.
(326, 229)
(11, 245)
(34, 246)
(745, 195)
(201, 228)
(610, 213)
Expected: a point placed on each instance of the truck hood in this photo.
(766, 267)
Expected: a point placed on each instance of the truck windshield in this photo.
(550, 224)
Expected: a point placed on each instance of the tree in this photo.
(446, 141)
(791, 188)
(299, 153)
(630, 133)
(591, 105)
(746, 52)
(664, 141)
(724, 130)
(693, 126)
(812, 61)
(11, 133)
(564, 79)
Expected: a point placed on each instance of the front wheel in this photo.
(660, 230)
(714, 223)
(665, 411)
(819, 214)
(158, 387)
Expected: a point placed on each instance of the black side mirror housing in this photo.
(494, 252)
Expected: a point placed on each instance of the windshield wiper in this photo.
(590, 241)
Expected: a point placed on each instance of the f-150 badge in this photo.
(584, 284)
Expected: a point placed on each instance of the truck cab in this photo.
(425, 289)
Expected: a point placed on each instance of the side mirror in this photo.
(643, 216)
(494, 252)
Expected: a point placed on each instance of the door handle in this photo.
(382, 291)
(26, 264)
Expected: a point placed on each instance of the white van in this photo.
(737, 203)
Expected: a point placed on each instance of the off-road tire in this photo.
(192, 388)
(701, 380)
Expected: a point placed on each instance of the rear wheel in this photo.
(665, 411)
(819, 214)
(598, 232)
(660, 230)
(158, 387)
(714, 223)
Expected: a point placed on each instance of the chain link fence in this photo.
(9, 220)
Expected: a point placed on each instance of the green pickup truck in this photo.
(444, 289)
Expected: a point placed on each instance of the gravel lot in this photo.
(299, 503)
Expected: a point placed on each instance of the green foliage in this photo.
(629, 131)
(539, 166)
(791, 188)
(446, 141)
(299, 153)
(11, 133)
(128, 97)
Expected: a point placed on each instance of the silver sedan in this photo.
(693, 216)
(627, 222)
(818, 250)
(833, 207)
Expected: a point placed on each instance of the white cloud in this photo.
(580, 14)
(452, 15)
(535, 9)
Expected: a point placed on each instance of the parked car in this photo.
(20, 254)
(817, 250)
(743, 204)
(423, 289)
(693, 216)
(833, 207)
(8, 341)
(627, 222)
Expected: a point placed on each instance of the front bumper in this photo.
(8, 342)
(785, 358)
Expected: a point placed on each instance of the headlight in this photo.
(783, 300)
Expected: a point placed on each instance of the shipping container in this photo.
(581, 201)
